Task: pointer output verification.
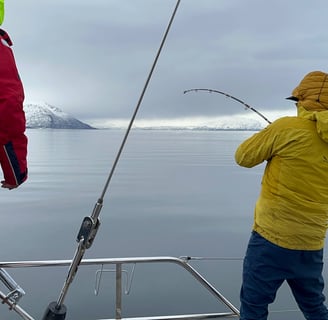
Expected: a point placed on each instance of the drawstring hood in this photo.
(312, 100)
(312, 92)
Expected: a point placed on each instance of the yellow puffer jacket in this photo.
(292, 209)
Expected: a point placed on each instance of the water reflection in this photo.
(173, 193)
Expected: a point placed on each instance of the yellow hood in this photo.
(312, 92)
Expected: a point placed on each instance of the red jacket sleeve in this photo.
(13, 142)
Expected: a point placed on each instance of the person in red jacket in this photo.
(13, 142)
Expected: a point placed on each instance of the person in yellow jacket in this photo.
(291, 213)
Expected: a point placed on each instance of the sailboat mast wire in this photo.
(57, 310)
(232, 97)
(139, 101)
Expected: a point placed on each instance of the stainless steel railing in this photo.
(119, 262)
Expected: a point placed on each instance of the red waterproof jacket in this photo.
(13, 142)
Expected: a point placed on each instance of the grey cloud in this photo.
(91, 58)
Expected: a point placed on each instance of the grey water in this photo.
(173, 193)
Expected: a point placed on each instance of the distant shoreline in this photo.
(150, 129)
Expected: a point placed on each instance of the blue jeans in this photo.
(267, 266)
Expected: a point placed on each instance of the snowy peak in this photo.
(44, 115)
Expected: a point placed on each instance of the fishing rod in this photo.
(232, 97)
(57, 310)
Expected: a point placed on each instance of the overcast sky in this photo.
(92, 58)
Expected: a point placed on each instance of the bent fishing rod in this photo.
(90, 225)
(232, 97)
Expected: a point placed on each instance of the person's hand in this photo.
(6, 185)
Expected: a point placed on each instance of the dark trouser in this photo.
(267, 266)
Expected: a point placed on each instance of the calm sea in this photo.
(173, 193)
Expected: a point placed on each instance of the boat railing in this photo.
(12, 299)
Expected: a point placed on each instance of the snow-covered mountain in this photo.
(43, 115)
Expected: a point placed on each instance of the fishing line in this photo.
(90, 225)
(232, 97)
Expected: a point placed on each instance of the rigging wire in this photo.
(90, 225)
(139, 101)
(232, 97)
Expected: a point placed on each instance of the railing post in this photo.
(118, 291)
